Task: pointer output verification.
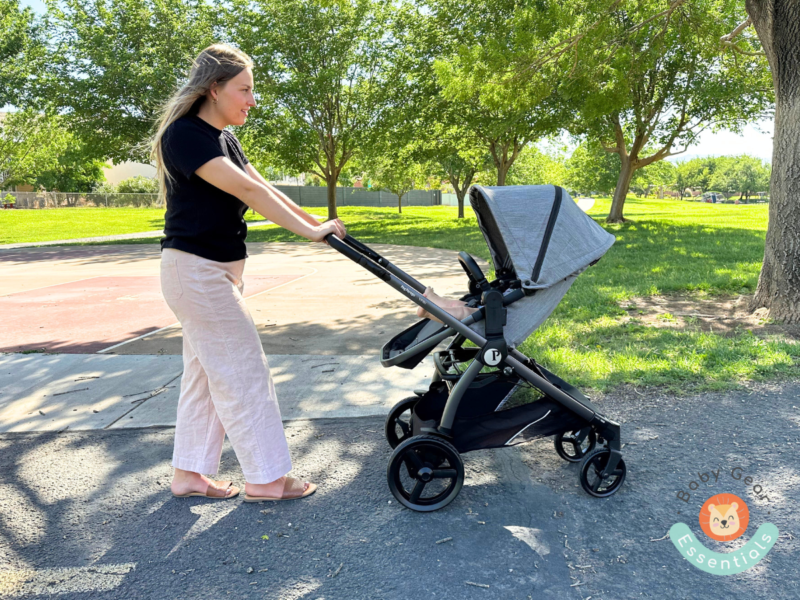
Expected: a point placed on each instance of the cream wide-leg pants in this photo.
(226, 385)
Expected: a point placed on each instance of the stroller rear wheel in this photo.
(591, 468)
(398, 422)
(425, 473)
(572, 446)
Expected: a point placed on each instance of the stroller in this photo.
(491, 395)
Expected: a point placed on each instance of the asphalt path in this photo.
(89, 514)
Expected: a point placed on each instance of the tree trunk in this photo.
(621, 192)
(502, 171)
(777, 23)
(460, 197)
(331, 181)
(502, 161)
(400, 203)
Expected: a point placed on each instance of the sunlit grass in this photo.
(43, 225)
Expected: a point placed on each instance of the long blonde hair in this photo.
(216, 64)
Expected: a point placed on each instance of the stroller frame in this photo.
(491, 351)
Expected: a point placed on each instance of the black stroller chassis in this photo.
(473, 401)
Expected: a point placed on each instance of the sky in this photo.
(756, 139)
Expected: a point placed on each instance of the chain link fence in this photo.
(301, 195)
(62, 200)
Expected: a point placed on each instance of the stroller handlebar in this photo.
(371, 260)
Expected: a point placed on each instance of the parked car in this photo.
(713, 197)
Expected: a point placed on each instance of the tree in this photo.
(30, 143)
(460, 166)
(659, 78)
(113, 63)
(397, 173)
(657, 176)
(76, 170)
(476, 36)
(324, 69)
(591, 169)
(695, 174)
(743, 174)
(138, 184)
(535, 167)
(20, 52)
(428, 123)
(778, 290)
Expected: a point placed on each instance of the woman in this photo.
(208, 184)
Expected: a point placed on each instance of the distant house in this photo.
(116, 173)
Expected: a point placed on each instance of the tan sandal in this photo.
(292, 490)
(216, 489)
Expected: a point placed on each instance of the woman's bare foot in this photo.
(457, 308)
(273, 489)
(186, 482)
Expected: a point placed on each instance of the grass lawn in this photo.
(20, 226)
(667, 247)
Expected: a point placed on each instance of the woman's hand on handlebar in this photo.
(335, 227)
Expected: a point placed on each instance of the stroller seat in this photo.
(409, 347)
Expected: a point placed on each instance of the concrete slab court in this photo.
(82, 392)
(95, 313)
(334, 308)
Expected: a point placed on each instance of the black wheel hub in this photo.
(425, 474)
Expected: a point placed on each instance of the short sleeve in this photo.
(187, 147)
(236, 147)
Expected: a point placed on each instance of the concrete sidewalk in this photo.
(40, 392)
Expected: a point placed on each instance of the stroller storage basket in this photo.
(479, 424)
(409, 347)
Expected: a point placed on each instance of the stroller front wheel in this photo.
(591, 468)
(425, 473)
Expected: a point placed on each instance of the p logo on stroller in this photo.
(492, 357)
(491, 395)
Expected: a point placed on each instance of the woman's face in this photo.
(235, 97)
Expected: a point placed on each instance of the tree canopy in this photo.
(113, 63)
(30, 143)
(659, 78)
(21, 49)
(325, 79)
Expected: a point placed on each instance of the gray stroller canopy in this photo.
(538, 232)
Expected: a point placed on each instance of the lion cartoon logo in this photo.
(724, 517)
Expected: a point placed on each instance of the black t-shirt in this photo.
(201, 219)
